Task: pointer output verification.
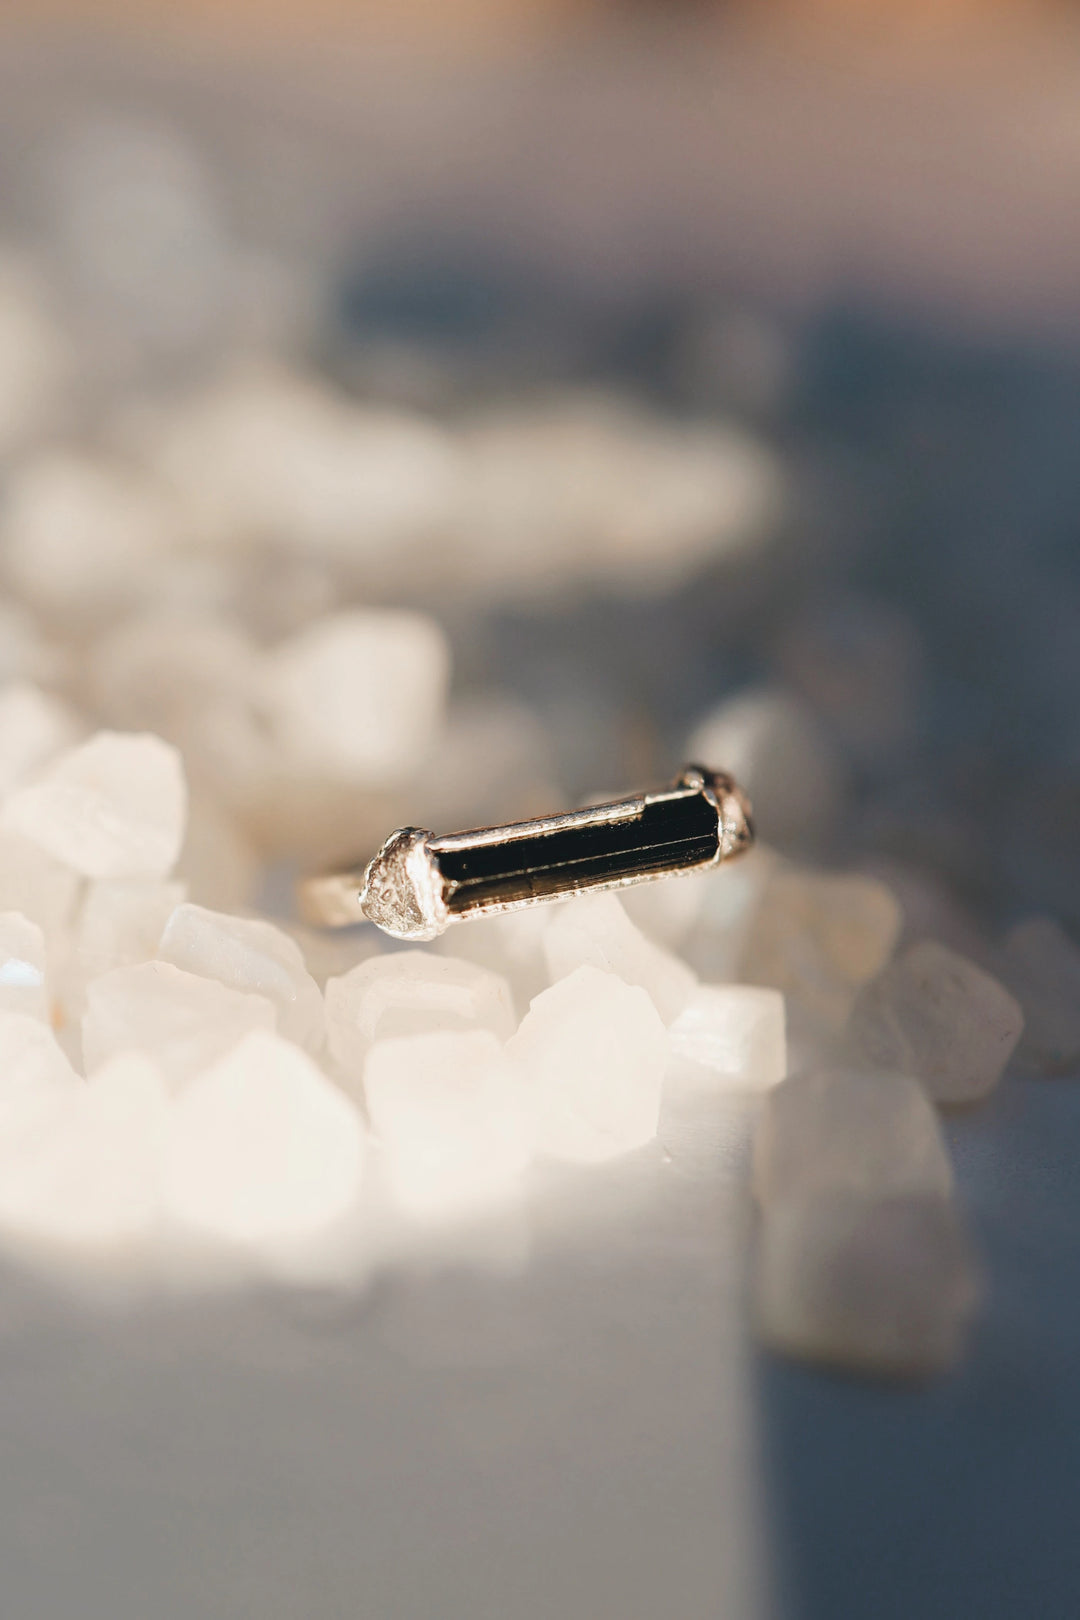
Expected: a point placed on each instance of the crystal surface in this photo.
(818, 937)
(359, 695)
(34, 727)
(735, 1030)
(451, 1113)
(118, 923)
(251, 955)
(262, 1149)
(594, 930)
(182, 1020)
(936, 1015)
(92, 1179)
(872, 1133)
(412, 993)
(43, 889)
(22, 966)
(1042, 967)
(113, 807)
(884, 1286)
(593, 1050)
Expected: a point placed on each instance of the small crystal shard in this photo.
(182, 1020)
(593, 1050)
(111, 808)
(92, 1179)
(22, 966)
(818, 937)
(359, 695)
(1042, 967)
(736, 1030)
(594, 930)
(936, 1015)
(450, 1111)
(34, 727)
(263, 1149)
(874, 1133)
(885, 1286)
(248, 954)
(119, 923)
(412, 993)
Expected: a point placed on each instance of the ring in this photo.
(418, 884)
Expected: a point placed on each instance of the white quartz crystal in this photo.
(1042, 967)
(83, 537)
(34, 727)
(777, 751)
(936, 1015)
(885, 1286)
(736, 1030)
(593, 1050)
(184, 1021)
(111, 808)
(451, 1113)
(358, 695)
(509, 943)
(92, 1179)
(873, 1132)
(412, 993)
(118, 923)
(22, 966)
(43, 889)
(595, 930)
(263, 1149)
(249, 954)
(668, 910)
(32, 1069)
(819, 936)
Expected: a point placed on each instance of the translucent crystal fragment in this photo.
(871, 1133)
(594, 930)
(359, 695)
(412, 993)
(776, 749)
(92, 1180)
(936, 1015)
(263, 1149)
(34, 727)
(22, 966)
(251, 955)
(736, 1030)
(42, 888)
(593, 1050)
(118, 923)
(182, 1020)
(818, 937)
(884, 1286)
(111, 808)
(1042, 967)
(450, 1111)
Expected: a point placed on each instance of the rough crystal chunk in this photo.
(874, 1133)
(450, 1111)
(34, 727)
(595, 931)
(22, 966)
(412, 993)
(33, 1069)
(883, 1286)
(1042, 966)
(119, 923)
(263, 1150)
(359, 695)
(818, 937)
(43, 889)
(593, 1050)
(92, 1179)
(185, 1022)
(736, 1030)
(111, 808)
(936, 1015)
(775, 748)
(248, 954)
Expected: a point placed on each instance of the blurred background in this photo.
(705, 372)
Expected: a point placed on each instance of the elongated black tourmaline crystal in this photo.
(632, 839)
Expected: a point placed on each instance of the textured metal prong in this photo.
(418, 884)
